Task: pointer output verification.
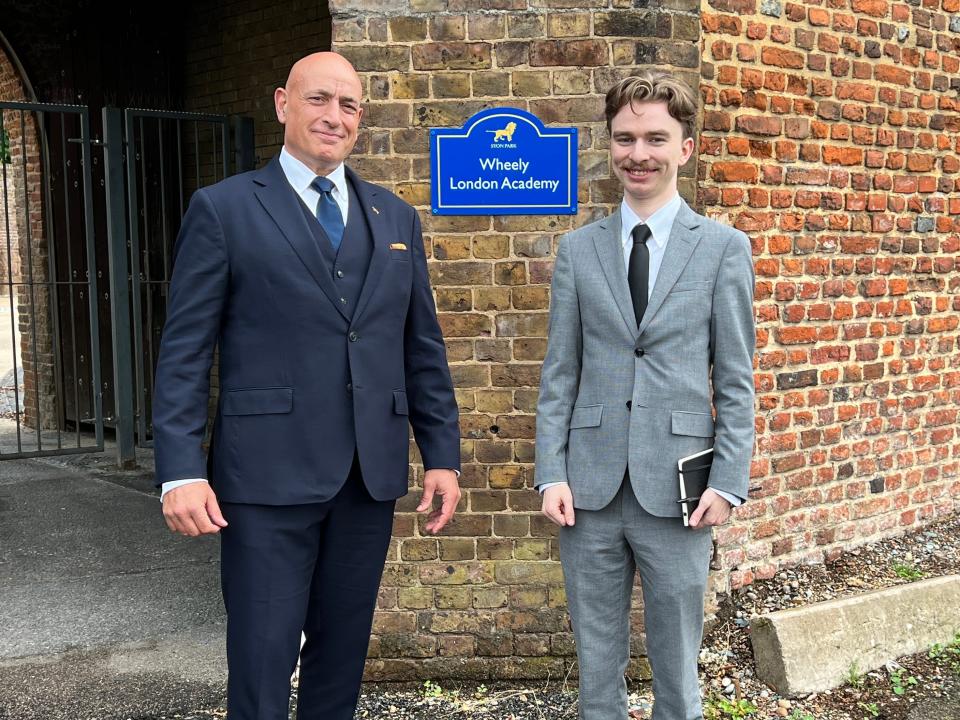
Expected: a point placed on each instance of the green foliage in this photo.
(4, 146)
(800, 715)
(948, 654)
(719, 708)
(900, 683)
(854, 676)
(871, 709)
(907, 571)
(432, 689)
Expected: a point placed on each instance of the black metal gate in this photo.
(166, 155)
(79, 223)
(50, 380)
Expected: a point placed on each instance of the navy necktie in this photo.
(328, 212)
(638, 272)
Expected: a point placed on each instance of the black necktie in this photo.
(639, 270)
(328, 212)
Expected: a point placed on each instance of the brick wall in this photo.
(11, 89)
(831, 135)
(27, 257)
(486, 599)
(238, 52)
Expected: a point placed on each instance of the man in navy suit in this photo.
(313, 285)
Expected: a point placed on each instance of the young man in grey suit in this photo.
(649, 359)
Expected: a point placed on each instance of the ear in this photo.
(280, 104)
(686, 150)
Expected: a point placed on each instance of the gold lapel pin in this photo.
(374, 208)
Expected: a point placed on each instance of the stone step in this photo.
(813, 648)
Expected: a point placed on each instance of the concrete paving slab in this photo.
(104, 613)
(811, 649)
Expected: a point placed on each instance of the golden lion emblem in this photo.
(504, 133)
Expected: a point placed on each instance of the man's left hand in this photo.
(711, 510)
(442, 483)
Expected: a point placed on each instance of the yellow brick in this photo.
(568, 24)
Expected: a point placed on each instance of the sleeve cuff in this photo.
(544, 486)
(173, 484)
(732, 499)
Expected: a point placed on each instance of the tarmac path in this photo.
(103, 612)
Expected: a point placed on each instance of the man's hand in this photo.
(711, 510)
(558, 504)
(192, 510)
(442, 483)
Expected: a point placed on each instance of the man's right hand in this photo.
(558, 504)
(192, 510)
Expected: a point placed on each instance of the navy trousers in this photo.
(315, 568)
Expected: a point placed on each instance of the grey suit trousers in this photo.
(600, 554)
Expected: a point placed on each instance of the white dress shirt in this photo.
(660, 224)
(301, 180)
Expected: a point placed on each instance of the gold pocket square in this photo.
(398, 246)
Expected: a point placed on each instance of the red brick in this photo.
(875, 8)
(780, 57)
(757, 125)
(733, 172)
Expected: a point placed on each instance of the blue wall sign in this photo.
(503, 161)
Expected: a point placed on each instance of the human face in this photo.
(320, 111)
(647, 149)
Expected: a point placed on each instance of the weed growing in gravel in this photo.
(721, 708)
(900, 683)
(798, 715)
(854, 676)
(949, 653)
(871, 709)
(907, 571)
(432, 689)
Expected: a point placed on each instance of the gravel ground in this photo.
(929, 686)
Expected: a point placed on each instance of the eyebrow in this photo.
(329, 94)
(649, 133)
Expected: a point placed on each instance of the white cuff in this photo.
(172, 484)
(544, 486)
(732, 499)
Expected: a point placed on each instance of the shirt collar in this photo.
(301, 177)
(660, 222)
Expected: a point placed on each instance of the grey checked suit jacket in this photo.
(613, 395)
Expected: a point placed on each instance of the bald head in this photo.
(320, 110)
(324, 63)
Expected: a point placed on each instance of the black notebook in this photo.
(694, 471)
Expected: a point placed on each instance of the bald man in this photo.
(313, 283)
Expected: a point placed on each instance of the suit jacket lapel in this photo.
(610, 251)
(381, 232)
(280, 201)
(683, 241)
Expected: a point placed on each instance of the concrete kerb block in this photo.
(811, 649)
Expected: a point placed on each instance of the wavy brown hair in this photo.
(655, 86)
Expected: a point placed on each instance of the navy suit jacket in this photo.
(299, 379)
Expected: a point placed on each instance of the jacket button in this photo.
(629, 404)
(349, 387)
(339, 273)
(639, 352)
(353, 337)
